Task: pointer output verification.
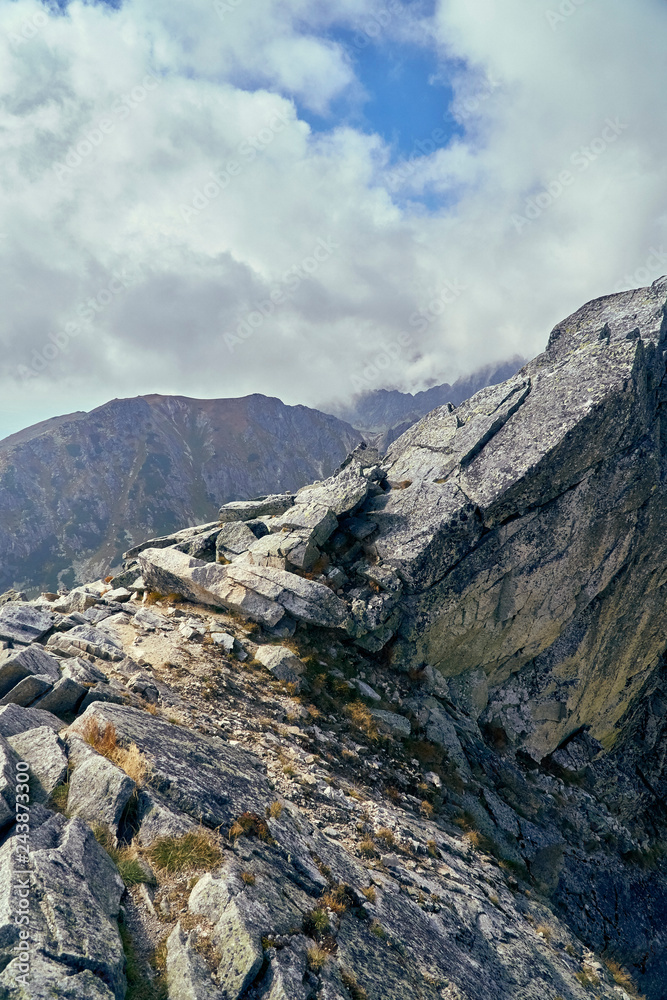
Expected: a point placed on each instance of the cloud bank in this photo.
(169, 222)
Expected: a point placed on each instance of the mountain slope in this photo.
(76, 491)
(382, 415)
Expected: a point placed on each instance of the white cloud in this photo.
(114, 124)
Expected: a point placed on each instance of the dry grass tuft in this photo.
(369, 893)
(336, 899)
(587, 978)
(622, 978)
(249, 824)
(196, 849)
(317, 958)
(367, 848)
(316, 923)
(105, 741)
(356, 991)
(361, 719)
(126, 859)
(385, 838)
(274, 811)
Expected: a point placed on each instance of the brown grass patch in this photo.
(385, 838)
(622, 978)
(356, 991)
(196, 849)
(105, 742)
(249, 824)
(361, 719)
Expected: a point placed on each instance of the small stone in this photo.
(281, 661)
(395, 724)
(224, 639)
(120, 594)
(366, 691)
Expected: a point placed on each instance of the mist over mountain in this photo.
(382, 415)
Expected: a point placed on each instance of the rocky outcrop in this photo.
(77, 490)
(520, 534)
(413, 716)
(382, 415)
(341, 868)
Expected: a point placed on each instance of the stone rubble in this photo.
(419, 708)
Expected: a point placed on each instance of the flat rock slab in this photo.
(63, 697)
(234, 538)
(262, 593)
(85, 638)
(8, 761)
(83, 671)
(164, 541)
(392, 723)
(198, 775)
(247, 510)
(16, 664)
(22, 623)
(45, 753)
(341, 493)
(282, 663)
(99, 790)
(74, 881)
(27, 691)
(15, 720)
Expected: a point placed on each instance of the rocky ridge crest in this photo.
(416, 710)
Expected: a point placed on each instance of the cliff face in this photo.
(401, 733)
(76, 491)
(521, 534)
(532, 536)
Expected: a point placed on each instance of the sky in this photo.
(218, 197)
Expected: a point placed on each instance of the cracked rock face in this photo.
(472, 807)
(520, 534)
(539, 552)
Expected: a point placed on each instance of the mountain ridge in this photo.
(67, 512)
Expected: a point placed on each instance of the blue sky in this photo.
(404, 99)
